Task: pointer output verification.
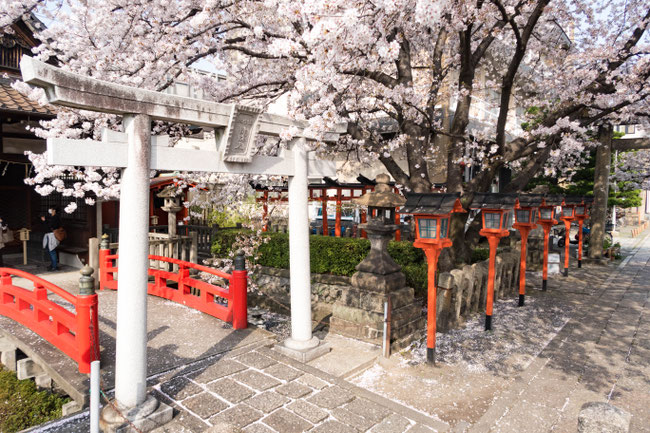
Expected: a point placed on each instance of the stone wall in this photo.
(273, 287)
(461, 292)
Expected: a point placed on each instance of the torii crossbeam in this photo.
(134, 151)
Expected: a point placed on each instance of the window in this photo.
(546, 213)
(523, 216)
(492, 220)
(506, 221)
(427, 228)
(444, 222)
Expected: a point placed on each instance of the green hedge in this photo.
(337, 256)
(331, 255)
(480, 254)
(23, 406)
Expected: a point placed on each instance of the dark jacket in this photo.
(53, 222)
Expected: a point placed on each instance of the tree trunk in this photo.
(601, 192)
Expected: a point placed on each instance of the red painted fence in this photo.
(75, 333)
(190, 291)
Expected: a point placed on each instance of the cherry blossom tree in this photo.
(404, 75)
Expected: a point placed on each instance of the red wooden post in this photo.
(494, 242)
(580, 223)
(265, 215)
(567, 240)
(183, 275)
(546, 221)
(547, 232)
(104, 264)
(326, 229)
(568, 215)
(40, 293)
(87, 335)
(522, 264)
(432, 252)
(337, 223)
(398, 232)
(239, 293)
(525, 217)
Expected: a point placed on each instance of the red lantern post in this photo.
(567, 217)
(495, 214)
(546, 220)
(493, 222)
(326, 229)
(525, 222)
(337, 220)
(581, 215)
(265, 216)
(432, 213)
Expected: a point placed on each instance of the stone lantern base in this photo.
(360, 314)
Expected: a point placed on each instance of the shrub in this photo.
(331, 255)
(23, 406)
(225, 239)
(480, 254)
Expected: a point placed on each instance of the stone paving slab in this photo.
(228, 392)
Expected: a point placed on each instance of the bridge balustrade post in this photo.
(104, 262)
(87, 336)
(40, 293)
(194, 247)
(183, 274)
(239, 287)
(5, 279)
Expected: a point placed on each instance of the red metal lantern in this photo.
(432, 214)
(495, 210)
(546, 218)
(568, 216)
(580, 215)
(525, 222)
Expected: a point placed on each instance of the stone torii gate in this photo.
(138, 153)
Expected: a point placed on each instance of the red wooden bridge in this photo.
(70, 322)
(72, 330)
(228, 304)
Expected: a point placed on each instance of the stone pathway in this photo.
(262, 391)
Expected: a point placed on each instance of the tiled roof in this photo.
(429, 203)
(493, 200)
(12, 100)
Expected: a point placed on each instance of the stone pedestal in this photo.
(360, 311)
(146, 417)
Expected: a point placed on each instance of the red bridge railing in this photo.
(75, 333)
(228, 304)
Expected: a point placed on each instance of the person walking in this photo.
(53, 219)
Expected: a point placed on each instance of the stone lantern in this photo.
(171, 206)
(379, 267)
(378, 286)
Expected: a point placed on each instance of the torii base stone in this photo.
(148, 416)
